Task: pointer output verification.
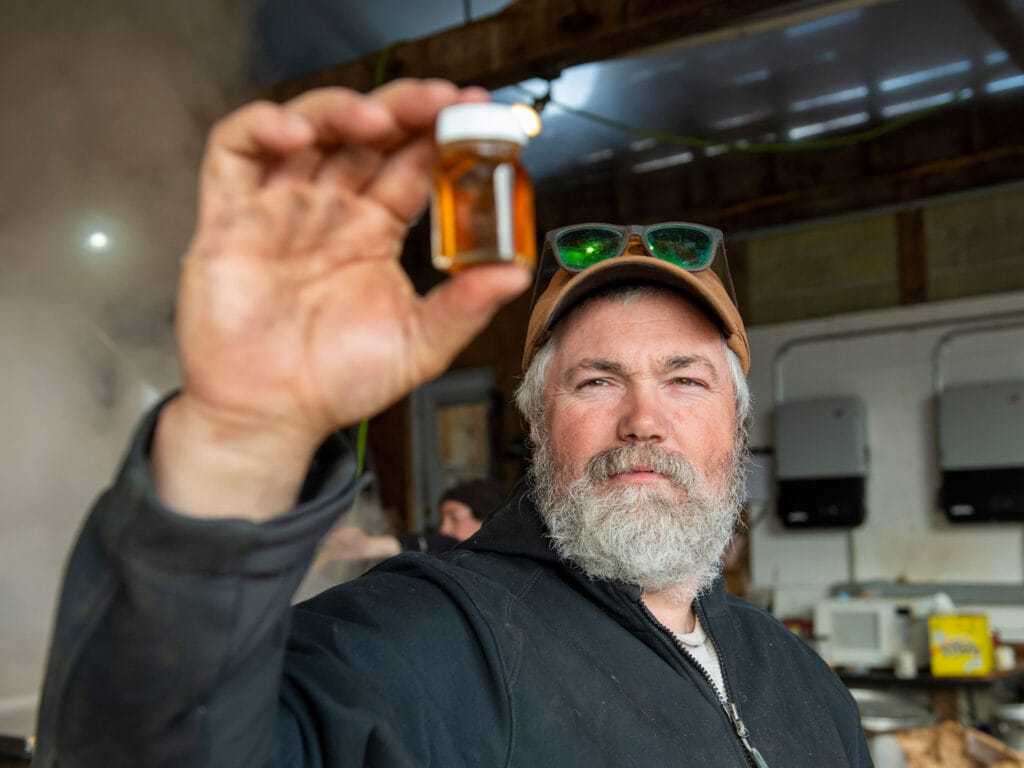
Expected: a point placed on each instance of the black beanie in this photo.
(481, 496)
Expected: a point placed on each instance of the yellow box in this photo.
(960, 646)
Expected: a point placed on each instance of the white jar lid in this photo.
(476, 121)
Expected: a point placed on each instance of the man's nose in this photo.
(643, 416)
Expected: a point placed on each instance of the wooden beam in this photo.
(932, 179)
(534, 38)
(1000, 21)
(912, 254)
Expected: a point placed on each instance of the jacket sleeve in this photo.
(170, 636)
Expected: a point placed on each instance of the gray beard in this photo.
(660, 539)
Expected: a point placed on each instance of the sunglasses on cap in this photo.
(689, 246)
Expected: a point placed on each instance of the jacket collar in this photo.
(515, 528)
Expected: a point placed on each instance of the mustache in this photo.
(650, 458)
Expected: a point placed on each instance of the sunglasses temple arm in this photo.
(728, 278)
(536, 277)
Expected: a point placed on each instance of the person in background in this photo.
(584, 625)
(462, 508)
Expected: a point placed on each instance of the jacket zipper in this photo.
(742, 733)
(754, 757)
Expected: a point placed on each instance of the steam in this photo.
(105, 109)
(105, 114)
(367, 514)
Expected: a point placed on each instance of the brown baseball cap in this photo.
(567, 289)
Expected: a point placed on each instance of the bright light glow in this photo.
(716, 149)
(757, 76)
(925, 75)
(641, 144)
(996, 57)
(572, 88)
(679, 158)
(575, 85)
(740, 120)
(97, 241)
(1004, 84)
(810, 27)
(836, 97)
(598, 156)
(813, 129)
(528, 118)
(915, 105)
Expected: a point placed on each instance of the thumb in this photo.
(461, 307)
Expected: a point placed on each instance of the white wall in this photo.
(905, 536)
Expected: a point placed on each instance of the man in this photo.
(582, 626)
(462, 508)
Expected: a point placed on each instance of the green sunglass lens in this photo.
(683, 246)
(581, 248)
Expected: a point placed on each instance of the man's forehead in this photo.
(607, 335)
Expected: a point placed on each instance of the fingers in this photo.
(241, 144)
(339, 116)
(461, 307)
(333, 129)
(415, 103)
(400, 180)
(402, 184)
(384, 119)
(346, 126)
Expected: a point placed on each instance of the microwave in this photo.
(869, 632)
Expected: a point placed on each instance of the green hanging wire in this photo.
(364, 428)
(382, 62)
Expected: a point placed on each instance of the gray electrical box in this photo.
(821, 462)
(981, 451)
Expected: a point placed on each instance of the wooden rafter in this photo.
(1000, 21)
(536, 38)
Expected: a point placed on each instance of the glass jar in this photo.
(482, 202)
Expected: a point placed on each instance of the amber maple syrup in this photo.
(482, 207)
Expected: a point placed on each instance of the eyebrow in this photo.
(598, 364)
(674, 363)
(683, 362)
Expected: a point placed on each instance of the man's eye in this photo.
(688, 382)
(593, 383)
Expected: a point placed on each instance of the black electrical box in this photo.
(981, 452)
(821, 462)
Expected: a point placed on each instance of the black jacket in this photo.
(175, 646)
(430, 542)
